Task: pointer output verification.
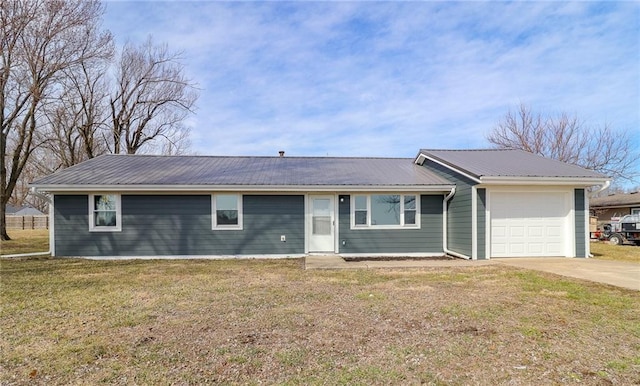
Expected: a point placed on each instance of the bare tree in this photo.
(566, 138)
(32, 170)
(78, 119)
(151, 100)
(40, 39)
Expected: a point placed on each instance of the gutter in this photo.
(444, 227)
(34, 192)
(241, 188)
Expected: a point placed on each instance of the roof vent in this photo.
(281, 152)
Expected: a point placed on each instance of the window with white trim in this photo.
(226, 211)
(635, 210)
(360, 204)
(104, 213)
(385, 211)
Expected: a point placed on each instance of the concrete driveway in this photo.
(617, 273)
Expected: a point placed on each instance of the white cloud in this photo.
(385, 79)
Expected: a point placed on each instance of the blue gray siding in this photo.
(459, 210)
(427, 239)
(481, 224)
(181, 225)
(581, 248)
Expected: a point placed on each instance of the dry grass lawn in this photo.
(25, 241)
(606, 251)
(67, 321)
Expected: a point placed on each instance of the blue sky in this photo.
(388, 78)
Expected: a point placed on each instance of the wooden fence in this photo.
(28, 222)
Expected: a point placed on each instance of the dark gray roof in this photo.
(508, 163)
(616, 200)
(21, 211)
(28, 211)
(246, 171)
(10, 209)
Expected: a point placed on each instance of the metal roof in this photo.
(149, 170)
(616, 200)
(10, 209)
(508, 163)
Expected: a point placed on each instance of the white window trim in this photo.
(635, 210)
(369, 226)
(92, 225)
(214, 218)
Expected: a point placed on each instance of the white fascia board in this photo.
(243, 188)
(422, 157)
(573, 181)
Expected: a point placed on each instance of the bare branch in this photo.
(152, 98)
(566, 138)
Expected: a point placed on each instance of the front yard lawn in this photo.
(68, 321)
(606, 251)
(25, 241)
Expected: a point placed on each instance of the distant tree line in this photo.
(67, 94)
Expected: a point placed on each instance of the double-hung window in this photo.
(385, 211)
(104, 213)
(360, 210)
(226, 211)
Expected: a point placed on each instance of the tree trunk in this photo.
(4, 198)
(3, 221)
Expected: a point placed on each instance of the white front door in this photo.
(321, 227)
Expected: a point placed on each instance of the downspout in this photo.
(604, 187)
(444, 226)
(34, 192)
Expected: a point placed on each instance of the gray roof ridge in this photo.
(250, 156)
(475, 150)
(201, 170)
(452, 165)
(437, 155)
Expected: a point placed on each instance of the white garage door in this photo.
(528, 224)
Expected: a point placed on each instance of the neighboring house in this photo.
(473, 204)
(615, 205)
(28, 211)
(23, 211)
(10, 209)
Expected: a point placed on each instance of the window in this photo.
(360, 210)
(635, 210)
(385, 211)
(104, 213)
(227, 211)
(410, 210)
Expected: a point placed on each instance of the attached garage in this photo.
(529, 224)
(511, 203)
